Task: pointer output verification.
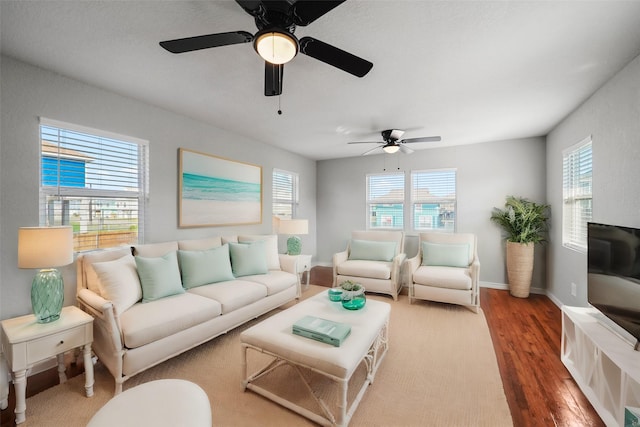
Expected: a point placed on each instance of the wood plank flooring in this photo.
(526, 337)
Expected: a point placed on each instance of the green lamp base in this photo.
(47, 295)
(294, 245)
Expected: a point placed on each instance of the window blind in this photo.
(95, 182)
(385, 201)
(577, 176)
(285, 194)
(433, 199)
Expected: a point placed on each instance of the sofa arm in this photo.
(396, 269)
(288, 263)
(338, 258)
(105, 322)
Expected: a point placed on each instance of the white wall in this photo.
(29, 93)
(612, 117)
(486, 174)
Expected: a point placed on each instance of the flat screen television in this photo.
(613, 277)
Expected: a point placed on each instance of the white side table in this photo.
(26, 343)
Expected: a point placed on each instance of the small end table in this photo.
(26, 343)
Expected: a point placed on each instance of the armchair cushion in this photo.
(372, 250)
(443, 277)
(365, 268)
(445, 254)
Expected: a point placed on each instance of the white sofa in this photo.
(374, 259)
(152, 302)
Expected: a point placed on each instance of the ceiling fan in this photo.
(275, 41)
(392, 143)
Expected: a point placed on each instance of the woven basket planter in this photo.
(519, 268)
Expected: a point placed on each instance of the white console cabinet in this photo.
(606, 367)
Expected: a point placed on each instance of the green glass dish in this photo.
(335, 294)
(355, 303)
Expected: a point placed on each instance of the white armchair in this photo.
(374, 259)
(446, 269)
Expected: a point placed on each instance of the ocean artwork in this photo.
(218, 191)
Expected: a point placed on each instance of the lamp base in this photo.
(47, 295)
(294, 245)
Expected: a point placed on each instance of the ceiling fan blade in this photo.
(364, 142)
(273, 74)
(405, 149)
(423, 139)
(250, 6)
(190, 44)
(333, 56)
(396, 134)
(307, 11)
(370, 151)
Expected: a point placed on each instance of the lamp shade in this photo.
(293, 226)
(45, 247)
(275, 46)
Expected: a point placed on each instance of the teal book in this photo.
(322, 330)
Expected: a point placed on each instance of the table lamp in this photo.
(293, 227)
(46, 248)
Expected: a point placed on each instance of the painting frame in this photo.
(215, 191)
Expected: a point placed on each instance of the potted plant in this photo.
(353, 297)
(525, 224)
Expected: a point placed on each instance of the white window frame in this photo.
(283, 194)
(577, 188)
(49, 193)
(433, 177)
(394, 196)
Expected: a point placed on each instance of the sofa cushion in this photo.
(159, 276)
(248, 258)
(363, 268)
(119, 282)
(233, 294)
(443, 277)
(199, 244)
(88, 258)
(270, 247)
(203, 267)
(372, 250)
(275, 281)
(146, 323)
(445, 254)
(151, 250)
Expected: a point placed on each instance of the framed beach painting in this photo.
(218, 191)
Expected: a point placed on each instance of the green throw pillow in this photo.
(159, 277)
(248, 258)
(372, 250)
(445, 254)
(203, 267)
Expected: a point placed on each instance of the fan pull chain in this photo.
(279, 109)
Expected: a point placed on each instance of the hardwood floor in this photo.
(526, 337)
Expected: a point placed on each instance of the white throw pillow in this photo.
(119, 282)
(88, 258)
(270, 246)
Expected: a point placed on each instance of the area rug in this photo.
(440, 370)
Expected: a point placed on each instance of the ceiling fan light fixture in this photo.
(276, 46)
(391, 148)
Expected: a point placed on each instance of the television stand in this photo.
(605, 367)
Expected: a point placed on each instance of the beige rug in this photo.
(440, 370)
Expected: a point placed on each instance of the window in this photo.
(95, 182)
(576, 194)
(433, 200)
(385, 201)
(285, 194)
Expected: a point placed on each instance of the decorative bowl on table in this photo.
(335, 294)
(353, 296)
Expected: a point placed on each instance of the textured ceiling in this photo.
(469, 71)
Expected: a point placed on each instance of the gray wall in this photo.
(29, 93)
(486, 174)
(612, 117)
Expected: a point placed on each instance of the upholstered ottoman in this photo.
(158, 403)
(367, 344)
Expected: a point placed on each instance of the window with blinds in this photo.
(285, 194)
(95, 182)
(433, 200)
(577, 176)
(385, 201)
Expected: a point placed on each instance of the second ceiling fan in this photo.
(392, 143)
(275, 41)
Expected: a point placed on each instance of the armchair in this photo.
(374, 259)
(446, 269)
